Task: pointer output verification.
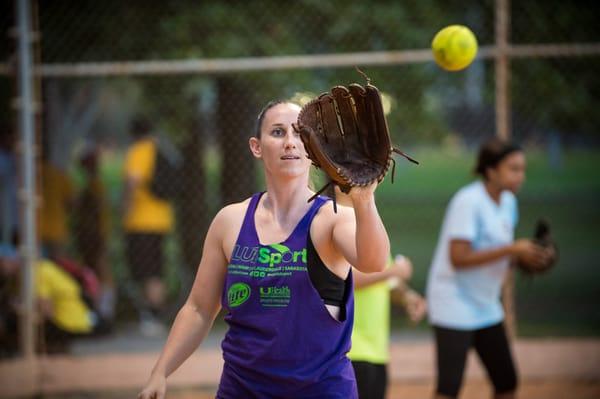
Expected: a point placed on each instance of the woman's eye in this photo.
(278, 132)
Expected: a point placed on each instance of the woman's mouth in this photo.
(289, 157)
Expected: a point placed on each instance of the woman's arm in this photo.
(362, 280)
(414, 304)
(195, 318)
(463, 256)
(362, 239)
(399, 270)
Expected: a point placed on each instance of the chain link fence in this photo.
(201, 122)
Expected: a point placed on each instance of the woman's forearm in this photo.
(187, 333)
(467, 258)
(362, 280)
(372, 241)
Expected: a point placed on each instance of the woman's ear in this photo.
(491, 174)
(255, 148)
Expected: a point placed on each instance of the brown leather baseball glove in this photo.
(345, 133)
(543, 238)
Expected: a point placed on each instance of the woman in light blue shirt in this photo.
(471, 259)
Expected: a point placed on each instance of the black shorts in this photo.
(144, 255)
(371, 379)
(492, 347)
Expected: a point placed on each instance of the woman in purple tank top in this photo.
(284, 340)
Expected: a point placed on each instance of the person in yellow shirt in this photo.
(374, 293)
(64, 313)
(371, 331)
(60, 299)
(147, 219)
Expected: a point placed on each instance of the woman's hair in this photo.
(491, 153)
(261, 114)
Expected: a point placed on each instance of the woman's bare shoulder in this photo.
(327, 217)
(328, 212)
(231, 214)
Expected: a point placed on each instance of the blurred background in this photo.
(193, 76)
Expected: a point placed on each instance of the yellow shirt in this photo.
(57, 286)
(371, 331)
(147, 213)
(57, 190)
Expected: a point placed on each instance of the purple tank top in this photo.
(282, 342)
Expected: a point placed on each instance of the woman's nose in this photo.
(290, 139)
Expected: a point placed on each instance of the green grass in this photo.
(563, 302)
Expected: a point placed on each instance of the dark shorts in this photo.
(492, 347)
(144, 255)
(371, 379)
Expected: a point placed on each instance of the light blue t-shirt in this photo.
(470, 299)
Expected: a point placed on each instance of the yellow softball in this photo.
(454, 47)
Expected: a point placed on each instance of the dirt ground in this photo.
(474, 389)
(548, 368)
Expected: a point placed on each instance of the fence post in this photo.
(503, 131)
(26, 109)
(502, 61)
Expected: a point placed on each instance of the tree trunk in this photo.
(235, 121)
(192, 207)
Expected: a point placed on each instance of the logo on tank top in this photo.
(273, 255)
(237, 294)
(274, 296)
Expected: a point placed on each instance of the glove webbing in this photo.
(326, 186)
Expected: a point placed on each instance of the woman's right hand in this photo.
(402, 268)
(399, 271)
(156, 388)
(529, 252)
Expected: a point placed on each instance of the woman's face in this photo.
(279, 146)
(509, 174)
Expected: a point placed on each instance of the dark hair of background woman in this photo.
(491, 153)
